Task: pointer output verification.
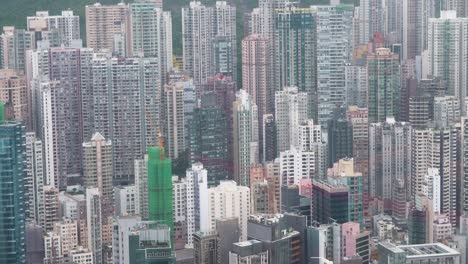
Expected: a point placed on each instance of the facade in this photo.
(389, 157)
(250, 251)
(296, 45)
(444, 42)
(105, 23)
(436, 252)
(150, 243)
(205, 245)
(334, 45)
(94, 223)
(384, 85)
(197, 195)
(160, 187)
(150, 34)
(175, 129)
(245, 117)
(126, 201)
(34, 182)
(66, 26)
(290, 110)
(49, 213)
(229, 200)
(13, 92)
(13, 45)
(13, 220)
(97, 168)
(296, 165)
(330, 202)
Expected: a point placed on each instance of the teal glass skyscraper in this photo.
(12, 208)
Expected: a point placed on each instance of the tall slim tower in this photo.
(93, 223)
(334, 45)
(245, 137)
(383, 70)
(160, 186)
(175, 118)
(34, 182)
(296, 46)
(13, 170)
(448, 53)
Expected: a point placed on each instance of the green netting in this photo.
(160, 187)
(2, 112)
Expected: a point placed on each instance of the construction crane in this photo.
(160, 137)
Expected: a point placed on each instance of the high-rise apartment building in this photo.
(290, 110)
(447, 53)
(389, 157)
(245, 116)
(34, 181)
(98, 170)
(105, 23)
(197, 195)
(296, 49)
(13, 170)
(296, 164)
(151, 34)
(49, 213)
(311, 139)
(205, 30)
(94, 223)
(160, 186)
(334, 45)
(13, 45)
(66, 26)
(384, 85)
(14, 93)
(121, 101)
(229, 200)
(436, 148)
(174, 118)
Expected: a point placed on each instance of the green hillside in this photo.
(14, 12)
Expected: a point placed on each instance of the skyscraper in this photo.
(13, 171)
(160, 186)
(98, 169)
(334, 45)
(447, 53)
(34, 182)
(175, 130)
(13, 45)
(245, 115)
(389, 158)
(121, 100)
(197, 195)
(290, 110)
(151, 34)
(93, 223)
(384, 85)
(104, 23)
(208, 139)
(296, 45)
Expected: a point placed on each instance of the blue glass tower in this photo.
(12, 204)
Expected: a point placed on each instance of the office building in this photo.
(105, 23)
(13, 162)
(66, 26)
(330, 202)
(148, 241)
(209, 139)
(343, 171)
(250, 251)
(340, 140)
(436, 252)
(229, 200)
(245, 115)
(283, 243)
(205, 246)
(228, 234)
(268, 138)
(384, 85)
